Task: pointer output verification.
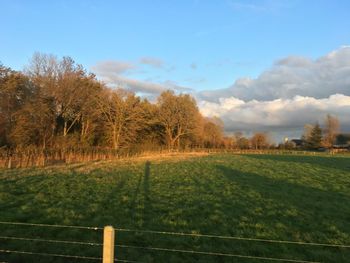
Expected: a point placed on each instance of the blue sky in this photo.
(278, 63)
(224, 39)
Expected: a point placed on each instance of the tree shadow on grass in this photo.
(293, 212)
(138, 206)
(312, 207)
(234, 203)
(338, 162)
(147, 207)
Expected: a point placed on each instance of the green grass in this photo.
(283, 197)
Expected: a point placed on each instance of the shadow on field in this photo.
(146, 196)
(340, 163)
(286, 202)
(140, 203)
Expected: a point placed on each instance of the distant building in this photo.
(343, 138)
(342, 141)
(298, 142)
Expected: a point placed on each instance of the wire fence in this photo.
(5, 251)
(234, 238)
(37, 157)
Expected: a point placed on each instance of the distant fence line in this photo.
(108, 246)
(23, 158)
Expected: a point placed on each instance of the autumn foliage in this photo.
(56, 104)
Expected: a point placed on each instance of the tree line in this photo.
(314, 137)
(56, 103)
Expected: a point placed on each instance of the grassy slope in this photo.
(299, 198)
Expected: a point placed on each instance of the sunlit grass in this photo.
(284, 197)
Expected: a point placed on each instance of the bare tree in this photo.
(123, 115)
(260, 140)
(64, 81)
(15, 90)
(331, 130)
(35, 123)
(243, 143)
(213, 132)
(307, 132)
(178, 115)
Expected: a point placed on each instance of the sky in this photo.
(268, 65)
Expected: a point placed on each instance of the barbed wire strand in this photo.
(51, 241)
(48, 254)
(234, 238)
(217, 254)
(47, 225)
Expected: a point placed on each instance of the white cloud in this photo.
(139, 86)
(113, 67)
(294, 91)
(293, 76)
(277, 114)
(133, 84)
(113, 74)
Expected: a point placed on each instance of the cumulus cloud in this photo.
(278, 114)
(151, 61)
(113, 73)
(139, 86)
(293, 76)
(294, 91)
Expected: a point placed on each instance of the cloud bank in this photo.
(294, 91)
(277, 114)
(293, 76)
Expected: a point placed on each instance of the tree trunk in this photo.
(169, 139)
(65, 129)
(82, 133)
(115, 142)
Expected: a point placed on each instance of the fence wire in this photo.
(155, 248)
(48, 254)
(186, 234)
(218, 254)
(233, 238)
(51, 241)
(47, 225)
(61, 255)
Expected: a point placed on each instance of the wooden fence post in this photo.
(108, 244)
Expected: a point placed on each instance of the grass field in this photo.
(280, 197)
